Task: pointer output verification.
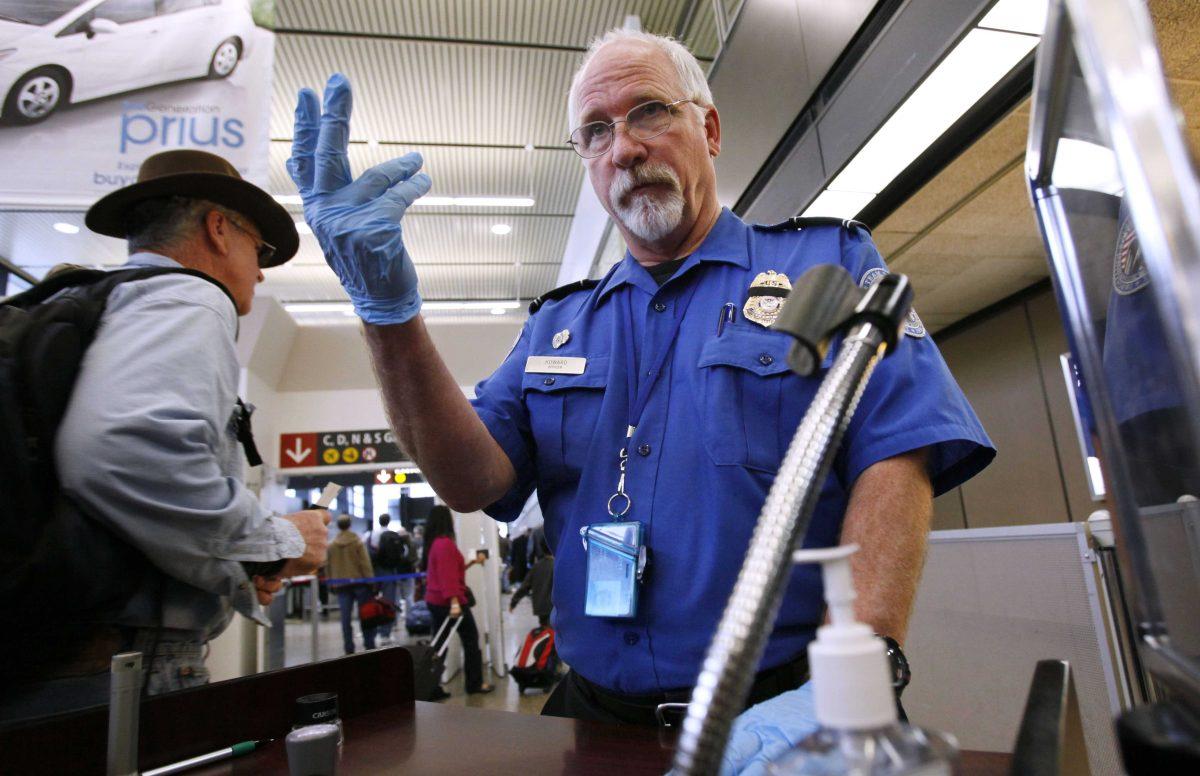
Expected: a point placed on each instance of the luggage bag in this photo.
(429, 661)
(537, 662)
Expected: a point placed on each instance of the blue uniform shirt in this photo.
(706, 449)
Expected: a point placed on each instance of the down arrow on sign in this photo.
(297, 450)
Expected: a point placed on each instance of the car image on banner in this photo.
(58, 52)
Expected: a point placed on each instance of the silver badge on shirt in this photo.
(767, 294)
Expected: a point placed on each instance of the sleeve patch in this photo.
(912, 325)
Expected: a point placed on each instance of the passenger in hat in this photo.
(148, 448)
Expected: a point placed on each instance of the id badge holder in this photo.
(616, 560)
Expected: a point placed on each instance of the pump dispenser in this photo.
(860, 732)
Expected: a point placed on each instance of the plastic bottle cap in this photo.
(316, 709)
(852, 687)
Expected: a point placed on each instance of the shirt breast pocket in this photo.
(750, 399)
(563, 410)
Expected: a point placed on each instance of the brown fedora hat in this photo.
(198, 175)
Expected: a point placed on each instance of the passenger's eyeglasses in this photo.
(262, 248)
(646, 121)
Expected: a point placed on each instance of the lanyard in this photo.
(639, 389)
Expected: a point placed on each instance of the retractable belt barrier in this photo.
(362, 580)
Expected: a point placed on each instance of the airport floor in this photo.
(298, 650)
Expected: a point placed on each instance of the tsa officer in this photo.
(650, 410)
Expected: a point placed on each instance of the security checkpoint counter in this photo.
(386, 731)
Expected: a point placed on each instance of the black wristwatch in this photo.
(901, 673)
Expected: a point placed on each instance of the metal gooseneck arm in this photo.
(872, 328)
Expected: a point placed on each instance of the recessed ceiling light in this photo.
(501, 228)
(977, 63)
(343, 307)
(1027, 16)
(498, 311)
(66, 228)
(428, 201)
(303, 228)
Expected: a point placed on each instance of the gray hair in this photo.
(166, 222)
(691, 76)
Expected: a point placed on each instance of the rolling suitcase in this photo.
(429, 660)
(537, 662)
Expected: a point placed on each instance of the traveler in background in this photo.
(348, 560)
(446, 592)
(518, 559)
(539, 583)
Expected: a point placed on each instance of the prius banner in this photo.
(90, 89)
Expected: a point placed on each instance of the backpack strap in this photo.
(104, 281)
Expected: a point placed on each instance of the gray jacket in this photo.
(148, 448)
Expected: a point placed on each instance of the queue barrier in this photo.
(278, 610)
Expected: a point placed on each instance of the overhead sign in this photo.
(114, 82)
(338, 448)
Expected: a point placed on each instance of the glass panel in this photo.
(1128, 336)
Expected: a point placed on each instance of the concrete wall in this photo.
(1008, 365)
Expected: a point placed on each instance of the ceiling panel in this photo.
(416, 92)
(530, 22)
(1175, 25)
(29, 240)
(551, 178)
(316, 282)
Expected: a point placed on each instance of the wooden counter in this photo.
(386, 731)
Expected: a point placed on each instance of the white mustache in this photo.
(646, 174)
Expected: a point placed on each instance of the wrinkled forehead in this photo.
(626, 70)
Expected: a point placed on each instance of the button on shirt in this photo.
(148, 446)
(718, 421)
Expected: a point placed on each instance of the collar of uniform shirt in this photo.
(726, 243)
(663, 271)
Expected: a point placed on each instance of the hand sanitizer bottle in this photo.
(860, 733)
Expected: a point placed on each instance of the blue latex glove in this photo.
(357, 222)
(762, 734)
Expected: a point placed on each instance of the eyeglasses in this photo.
(646, 121)
(262, 248)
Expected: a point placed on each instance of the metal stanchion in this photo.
(314, 597)
(276, 655)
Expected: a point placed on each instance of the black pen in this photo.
(728, 311)
(228, 752)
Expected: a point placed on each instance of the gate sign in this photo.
(338, 448)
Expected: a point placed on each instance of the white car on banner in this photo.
(55, 52)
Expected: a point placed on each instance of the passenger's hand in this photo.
(313, 526)
(762, 733)
(357, 222)
(455, 609)
(266, 588)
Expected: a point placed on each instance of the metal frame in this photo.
(1085, 450)
(1113, 43)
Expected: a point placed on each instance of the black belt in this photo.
(645, 709)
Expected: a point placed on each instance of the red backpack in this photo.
(537, 652)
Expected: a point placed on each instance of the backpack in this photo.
(537, 662)
(392, 552)
(50, 550)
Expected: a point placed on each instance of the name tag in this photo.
(556, 365)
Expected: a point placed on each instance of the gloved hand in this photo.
(762, 733)
(357, 222)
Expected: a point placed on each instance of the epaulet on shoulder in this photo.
(562, 292)
(796, 223)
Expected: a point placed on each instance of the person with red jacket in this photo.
(446, 591)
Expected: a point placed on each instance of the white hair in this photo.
(687, 68)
